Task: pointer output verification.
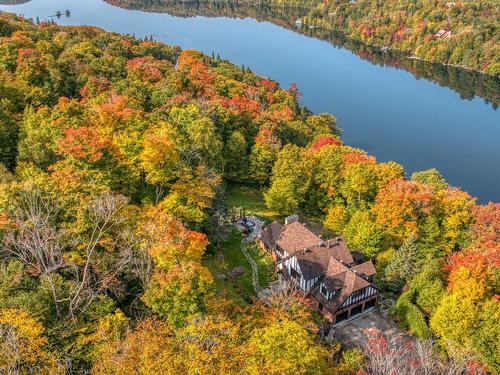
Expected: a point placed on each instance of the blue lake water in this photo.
(384, 110)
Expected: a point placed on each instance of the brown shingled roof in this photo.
(335, 275)
(271, 233)
(342, 279)
(350, 284)
(365, 269)
(340, 250)
(317, 258)
(310, 264)
(295, 236)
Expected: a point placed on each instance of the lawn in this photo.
(250, 199)
(239, 289)
(265, 264)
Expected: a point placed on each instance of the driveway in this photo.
(352, 333)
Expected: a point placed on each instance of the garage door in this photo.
(340, 317)
(356, 310)
(370, 303)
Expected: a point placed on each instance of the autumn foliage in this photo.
(113, 167)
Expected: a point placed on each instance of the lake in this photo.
(417, 114)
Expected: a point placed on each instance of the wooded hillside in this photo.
(414, 27)
(114, 153)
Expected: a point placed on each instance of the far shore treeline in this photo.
(452, 32)
(465, 80)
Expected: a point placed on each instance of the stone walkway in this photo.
(258, 224)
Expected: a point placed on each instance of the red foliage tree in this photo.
(358, 158)
(294, 90)
(198, 77)
(486, 228)
(144, 68)
(323, 142)
(83, 143)
(242, 105)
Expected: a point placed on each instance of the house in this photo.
(443, 34)
(324, 270)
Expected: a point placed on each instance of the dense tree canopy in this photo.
(413, 27)
(114, 154)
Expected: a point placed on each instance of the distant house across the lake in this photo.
(324, 270)
(443, 34)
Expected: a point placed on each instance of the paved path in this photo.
(258, 224)
(352, 333)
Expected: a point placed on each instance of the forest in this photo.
(115, 156)
(466, 82)
(413, 27)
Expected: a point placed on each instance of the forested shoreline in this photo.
(458, 33)
(411, 27)
(467, 82)
(115, 153)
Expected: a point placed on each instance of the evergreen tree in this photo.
(404, 264)
(219, 223)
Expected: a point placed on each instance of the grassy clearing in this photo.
(251, 200)
(239, 289)
(264, 263)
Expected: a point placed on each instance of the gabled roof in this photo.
(270, 234)
(310, 264)
(340, 250)
(316, 260)
(348, 281)
(329, 259)
(365, 269)
(295, 236)
(352, 283)
(335, 275)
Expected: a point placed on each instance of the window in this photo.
(323, 290)
(294, 274)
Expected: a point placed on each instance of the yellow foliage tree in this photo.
(23, 347)
(284, 347)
